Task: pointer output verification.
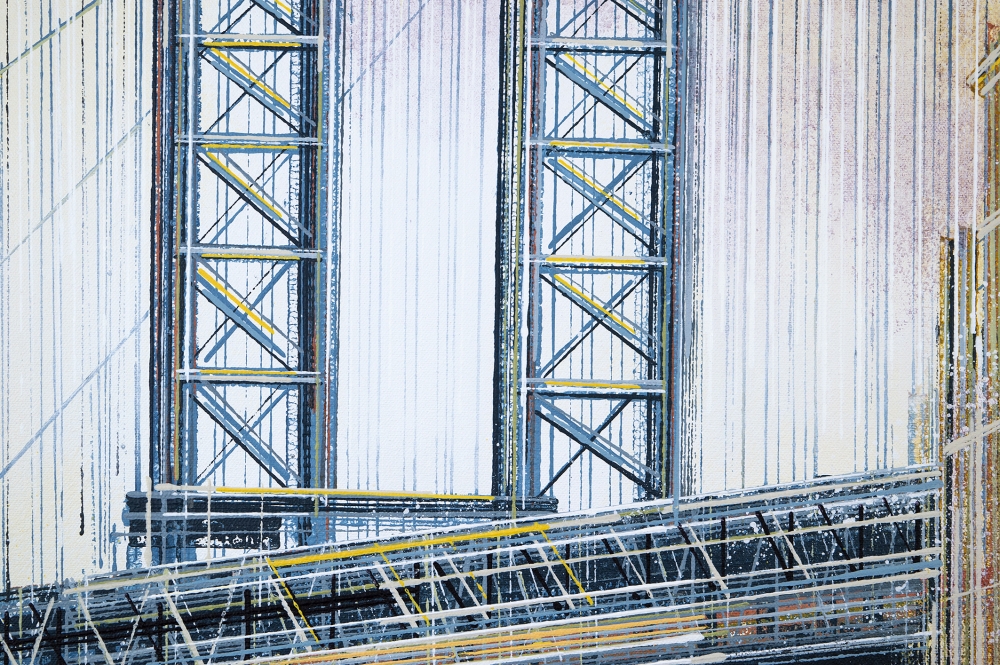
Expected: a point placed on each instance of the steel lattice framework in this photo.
(244, 263)
(832, 567)
(587, 369)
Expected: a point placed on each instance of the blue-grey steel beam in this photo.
(823, 569)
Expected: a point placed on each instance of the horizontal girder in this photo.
(775, 572)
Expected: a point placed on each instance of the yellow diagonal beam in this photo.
(242, 69)
(568, 569)
(594, 76)
(597, 305)
(291, 597)
(247, 186)
(629, 210)
(236, 300)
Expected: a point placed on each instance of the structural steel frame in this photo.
(584, 282)
(969, 417)
(243, 363)
(831, 567)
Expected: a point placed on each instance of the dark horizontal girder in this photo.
(641, 582)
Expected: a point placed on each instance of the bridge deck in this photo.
(827, 567)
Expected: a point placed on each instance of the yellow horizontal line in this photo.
(275, 257)
(595, 259)
(537, 638)
(244, 146)
(346, 492)
(236, 300)
(268, 372)
(597, 144)
(407, 544)
(257, 43)
(594, 384)
(569, 285)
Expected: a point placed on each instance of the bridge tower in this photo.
(244, 274)
(585, 249)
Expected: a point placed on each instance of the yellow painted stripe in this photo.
(561, 143)
(274, 257)
(569, 285)
(568, 570)
(593, 76)
(253, 79)
(593, 183)
(544, 644)
(283, 5)
(243, 146)
(266, 372)
(595, 259)
(593, 384)
(291, 597)
(538, 638)
(243, 183)
(256, 43)
(409, 595)
(344, 492)
(376, 548)
(640, 7)
(236, 300)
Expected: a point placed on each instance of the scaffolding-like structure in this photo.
(244, 252)
(833, 567)
(243, 395)
(969, 367)
(586, 230)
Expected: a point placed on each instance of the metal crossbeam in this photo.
(702, 579)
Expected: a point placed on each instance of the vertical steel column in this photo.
(586, 162)
(969, 372)
(244, 263)
(510, 195)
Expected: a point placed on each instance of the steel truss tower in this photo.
(584, 280)
(244, 258)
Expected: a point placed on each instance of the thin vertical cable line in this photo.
(457, 85)
(858, 325)
(365, 249)
(440, 446)
(800, 163)
(381, 246)
(408, 408)
(477, 374)
(769, 242)
(416, 246)
(5, 208)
